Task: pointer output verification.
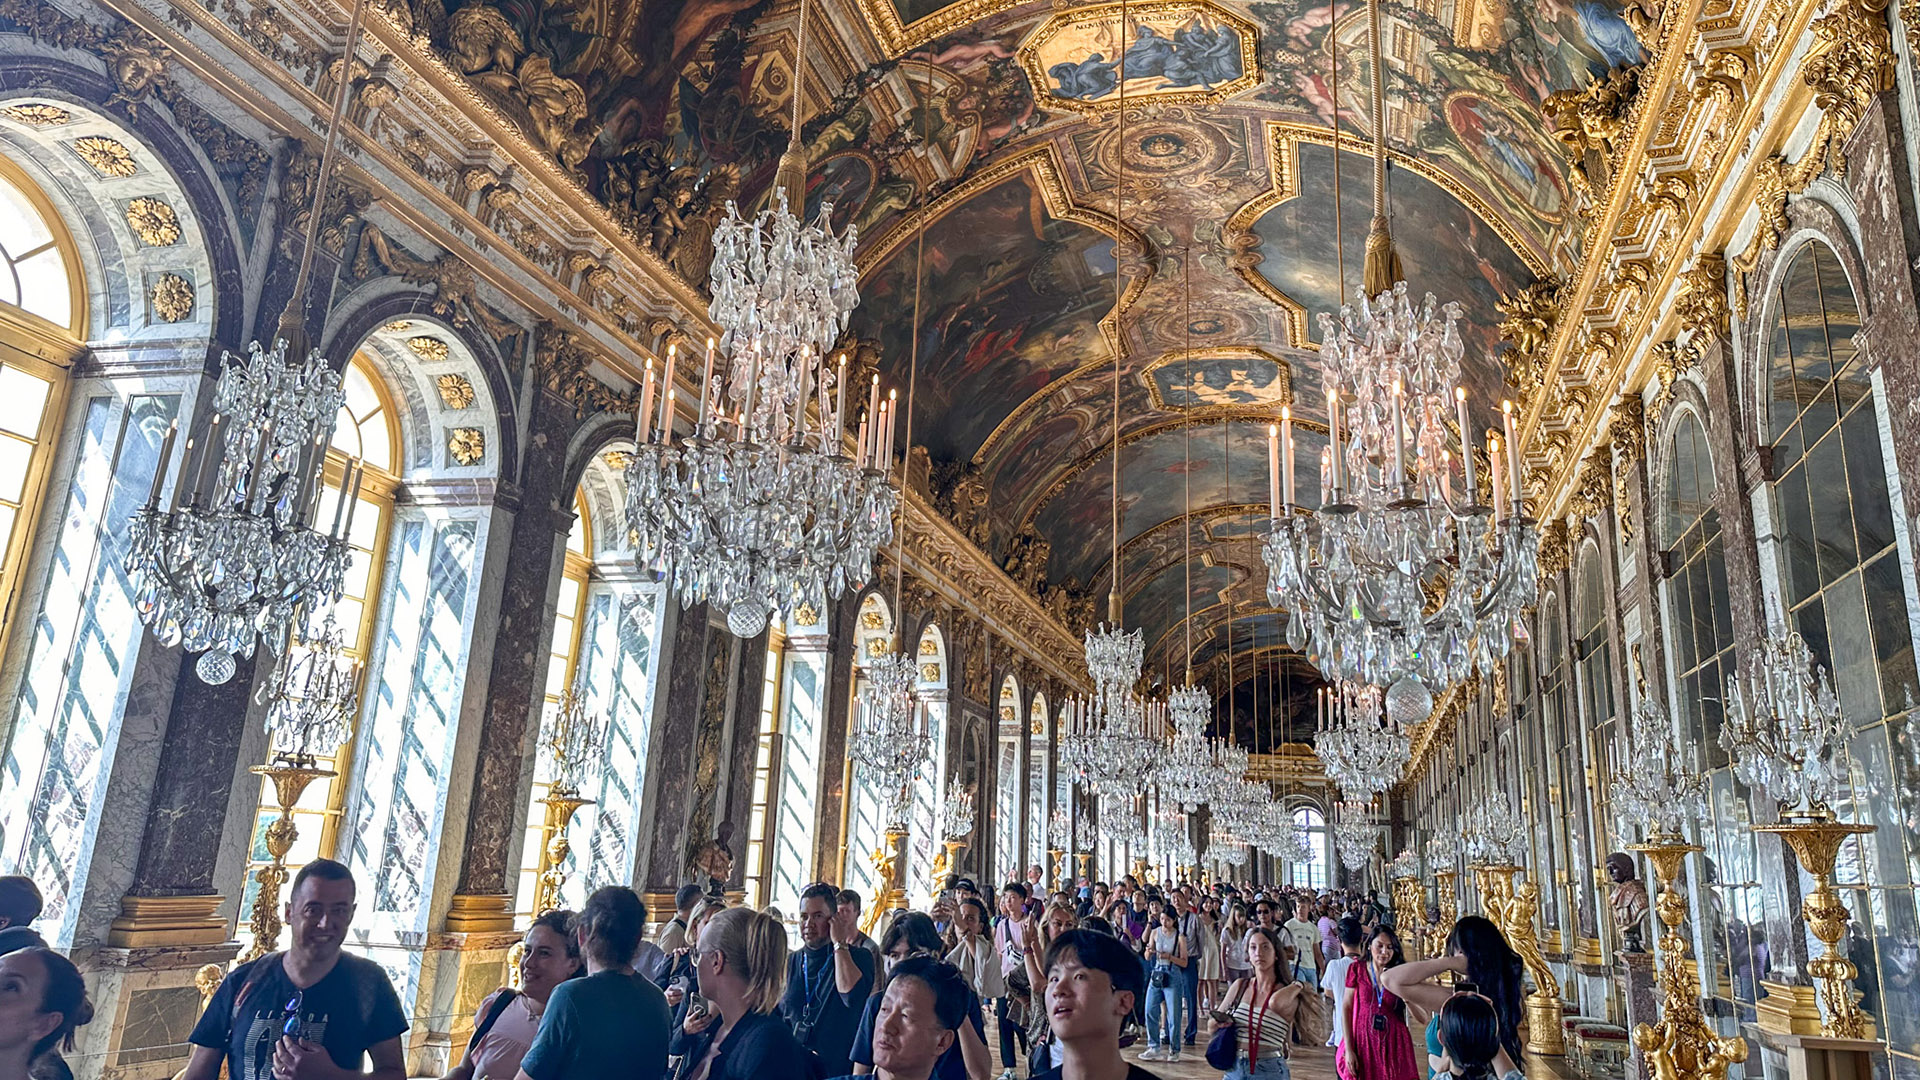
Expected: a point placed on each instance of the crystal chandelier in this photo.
(1174, 844)
(1492, 834)
(1652, 789)
(1442, 853)
(1403, 574)
(1282, 836)
(1360, 749)
(891, 743)
(957, 814)
(238, 554)
(1109, 740)
(1187, 771)
(1355, 834)
(576, 742)
(1784, 729)
(759, 509)
(311, 697)
(1404, 865)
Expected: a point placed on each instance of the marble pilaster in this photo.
(741, 749)
(676, 729)
(842, 624)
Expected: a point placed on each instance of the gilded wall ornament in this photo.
(617, 460)
(806, 615)
(109, 157)
(1702, 304)
(153, 221)
(1527, 322)
(467, 445)
(455, 391)
(872, 620)
(929, 672)
(429, 348)
(929, 647)
(172, 297)
(37, 114)
(397, 326)
(1593, 490)
(878, 647)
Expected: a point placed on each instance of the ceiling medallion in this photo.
(455, 391)
(37, 114)
(153, 221)
(172, 297)
(109, 157)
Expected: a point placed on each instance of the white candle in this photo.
(666, 395)
(1273, 471)
(160, 464)
(1326, 474)
(1446, 474)
(1399, 435)
(353, 499)
(706, 392)
(1513, 456)
(840, 404)
(209, 458)
(1466, 445)
(873, 400)
(643, 420)
(1493, 461)
(893, 413)
(860, 449)
(1286, 453)
(340, 504)
(1333, 439)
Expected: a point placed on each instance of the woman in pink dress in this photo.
(1378, 1046)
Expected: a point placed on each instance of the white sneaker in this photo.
(1152, 1054)
(1175, 1056)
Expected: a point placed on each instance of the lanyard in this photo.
(817, 979)
(1379, 990)
(1258, 1024)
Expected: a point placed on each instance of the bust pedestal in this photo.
(1817, 1057)
(1633, 974)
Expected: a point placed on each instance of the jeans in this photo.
(1272, 1067)
(1193, 1006)
(1304, 973)
(1008, 1056)
(1161, 1000)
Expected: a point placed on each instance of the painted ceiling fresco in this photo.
(992, 124)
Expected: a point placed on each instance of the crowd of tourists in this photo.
(1075, 981)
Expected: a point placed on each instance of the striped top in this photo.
(1275, 1027)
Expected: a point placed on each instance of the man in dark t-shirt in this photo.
(313, 999)
(613, 1024)
(828, 982)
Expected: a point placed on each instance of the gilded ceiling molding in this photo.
(1555, 552)
(1063, 21)
(1527, 321)
(1283, 167)
(896, 37)
(1201, 518)
(1850, 61)
(1702, 305)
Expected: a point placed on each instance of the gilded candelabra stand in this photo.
(1448, 902)
(944, 861)
(886, 861)
(1059, 860)
(561, 804)
(1681, 1046)
(958, 820)
(1512, 908)
(290, 776)
(1086, 861)
(1406, 902)
(1815, 836)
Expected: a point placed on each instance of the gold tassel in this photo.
(791, 177)
(1382, 270)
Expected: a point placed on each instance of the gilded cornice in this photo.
(1750, 90)
(411, 137)
(941, 556)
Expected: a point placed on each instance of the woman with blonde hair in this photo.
(733, 1031)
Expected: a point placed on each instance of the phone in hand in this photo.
(1221, 1015)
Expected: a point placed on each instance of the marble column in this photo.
(673, 783)
(1878, 179)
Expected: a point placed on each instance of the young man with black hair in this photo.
(1334, 982)
(1010, 941)
(19, 905)
(312, 1011)
(1094, 984)
(828, 982)
(613, 1024)
(846, 917)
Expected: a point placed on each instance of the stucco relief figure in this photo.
(712, 862)
(1628, 900)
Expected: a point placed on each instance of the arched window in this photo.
(1843, 588)
(38, 274)
(1560, 728)
(1593, 670)
(866, 806)
(1311, 874)
(925, 827)
(366, 430)
(789, 758)
(1039, 786)
(1007, 807)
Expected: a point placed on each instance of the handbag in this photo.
(1161, 978)
(1223, 1050)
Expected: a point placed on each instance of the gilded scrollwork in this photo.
(1702, 304)
(172, 297)
(110, 158)
(451, 277)
(1527, 323)
(153, 221)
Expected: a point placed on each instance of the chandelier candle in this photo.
(160, 465)
(666, 392)
(706, 391)
(210, 448)
(643, 419)
(1513, 455)
(1273, 471)
(1286, 451)
(1466, 444)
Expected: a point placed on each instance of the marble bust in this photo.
(1628, 900)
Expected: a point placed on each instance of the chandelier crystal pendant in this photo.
(239, 552)
(311, 697)
(1492, 833)
(1653, 790)
(1784, 728)
(891, 744)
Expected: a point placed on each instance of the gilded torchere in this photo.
(1816, 837)
(1681, 1046)
(290, 778)
(560, 806)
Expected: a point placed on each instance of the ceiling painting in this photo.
(1229, 378)
(1159, 605)
(1452, 252)
(1093, 58)
(1014, 285)
(1272, 703)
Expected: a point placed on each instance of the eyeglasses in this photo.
(292, 1026)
